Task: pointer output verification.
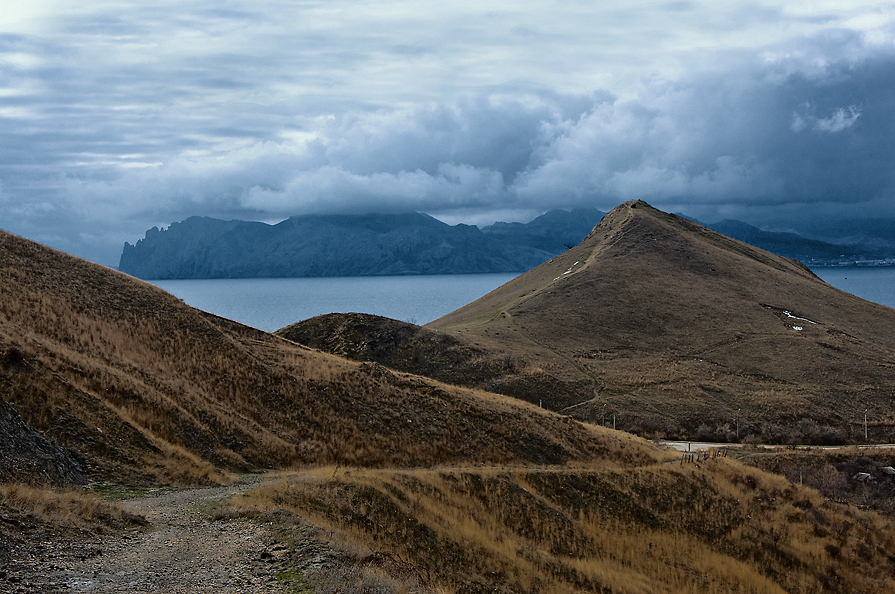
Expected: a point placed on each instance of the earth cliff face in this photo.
(27, 456)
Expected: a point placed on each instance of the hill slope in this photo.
(673, 328)
(710, 528)
(654, 315)
(142, 388)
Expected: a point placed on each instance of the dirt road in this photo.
(701, 446)
(182, 550)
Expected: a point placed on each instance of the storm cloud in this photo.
(115, 118)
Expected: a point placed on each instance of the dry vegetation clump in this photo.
(308, 558)
(863, 477)
(70, 508)
(723, 527)
(30, 515)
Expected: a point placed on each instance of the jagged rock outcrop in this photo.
(27, 456)
(368, 245)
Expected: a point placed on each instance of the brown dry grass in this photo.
(71, 508)
(724, 527)
(832, 472)
(664, 318)
(144, 389)
(445, 482)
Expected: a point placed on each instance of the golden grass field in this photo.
(450, 489)
(720, 527)
(143, 388)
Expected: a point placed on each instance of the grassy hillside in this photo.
(399, 345)
(714, 527)
(440, 489)
(672, 328)
(656, 316)
(142, 388)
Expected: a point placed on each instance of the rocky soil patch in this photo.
(181, 550)
(26, 455)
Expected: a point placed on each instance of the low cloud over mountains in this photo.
(113, 122)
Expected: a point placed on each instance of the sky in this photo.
(116, 116)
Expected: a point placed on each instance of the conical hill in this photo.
(675, 328)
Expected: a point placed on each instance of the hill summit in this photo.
(664, 317)
(676, 329)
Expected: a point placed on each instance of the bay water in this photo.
(273, 303)
(873, 283)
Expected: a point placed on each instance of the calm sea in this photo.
(870, 283)
(272, 303)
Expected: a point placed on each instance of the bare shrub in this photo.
(648, 426)
(718, 433)
(14, 356)
(509, 361)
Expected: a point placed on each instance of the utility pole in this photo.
(738, 424)
(865, 424)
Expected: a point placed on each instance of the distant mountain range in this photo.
(406, 244)
(868, 250)
(362, 245)
(808, 251)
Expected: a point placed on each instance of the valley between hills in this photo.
(149, 446)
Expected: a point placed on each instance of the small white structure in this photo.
(888, 469)
(862, 477)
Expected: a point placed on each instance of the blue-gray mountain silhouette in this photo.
(402, 244)
(347, 245)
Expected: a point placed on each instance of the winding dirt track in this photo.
(181, 551)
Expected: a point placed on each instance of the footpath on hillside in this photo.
(182, 550)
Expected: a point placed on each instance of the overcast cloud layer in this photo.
(117, 116)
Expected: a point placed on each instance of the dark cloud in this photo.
(113, 121)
